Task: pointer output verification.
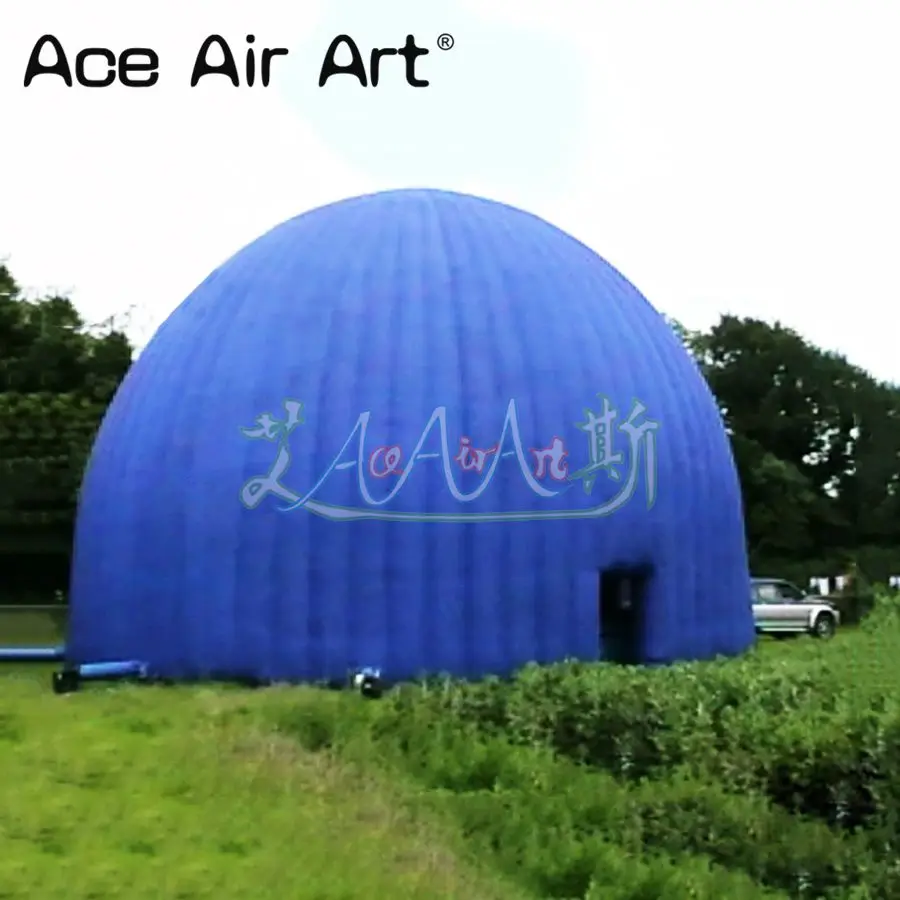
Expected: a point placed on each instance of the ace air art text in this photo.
(252, 65)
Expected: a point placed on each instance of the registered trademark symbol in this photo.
(445, 41)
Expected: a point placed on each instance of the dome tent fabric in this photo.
(416, 431)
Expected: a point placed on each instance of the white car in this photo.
(781, 608)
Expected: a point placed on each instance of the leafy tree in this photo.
(57, 377)
(817, 444)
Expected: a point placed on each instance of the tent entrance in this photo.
(622, 600)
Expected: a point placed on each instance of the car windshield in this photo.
(766, 593)
(776, 592)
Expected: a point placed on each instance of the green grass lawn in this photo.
(293, 793)
(23, 627)
(175, 793)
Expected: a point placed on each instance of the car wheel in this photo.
(824, 626)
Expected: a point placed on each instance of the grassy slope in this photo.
(161, 793)
(188, 793)
(191, 792)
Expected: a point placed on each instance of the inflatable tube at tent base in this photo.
(32, 654)
(69, 679)
(367, 681)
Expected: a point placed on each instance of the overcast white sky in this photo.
(739, 156)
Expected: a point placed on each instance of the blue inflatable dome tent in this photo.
(414, 431)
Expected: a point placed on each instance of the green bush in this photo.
(548, 821)
(814, 732)
(776, 771)
(559, 830)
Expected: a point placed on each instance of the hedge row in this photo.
(816, 731)
(599, 781)
(555, 825)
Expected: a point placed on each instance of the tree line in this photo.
(57, 377)
(816, 439)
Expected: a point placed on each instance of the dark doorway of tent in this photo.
(622, 599)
